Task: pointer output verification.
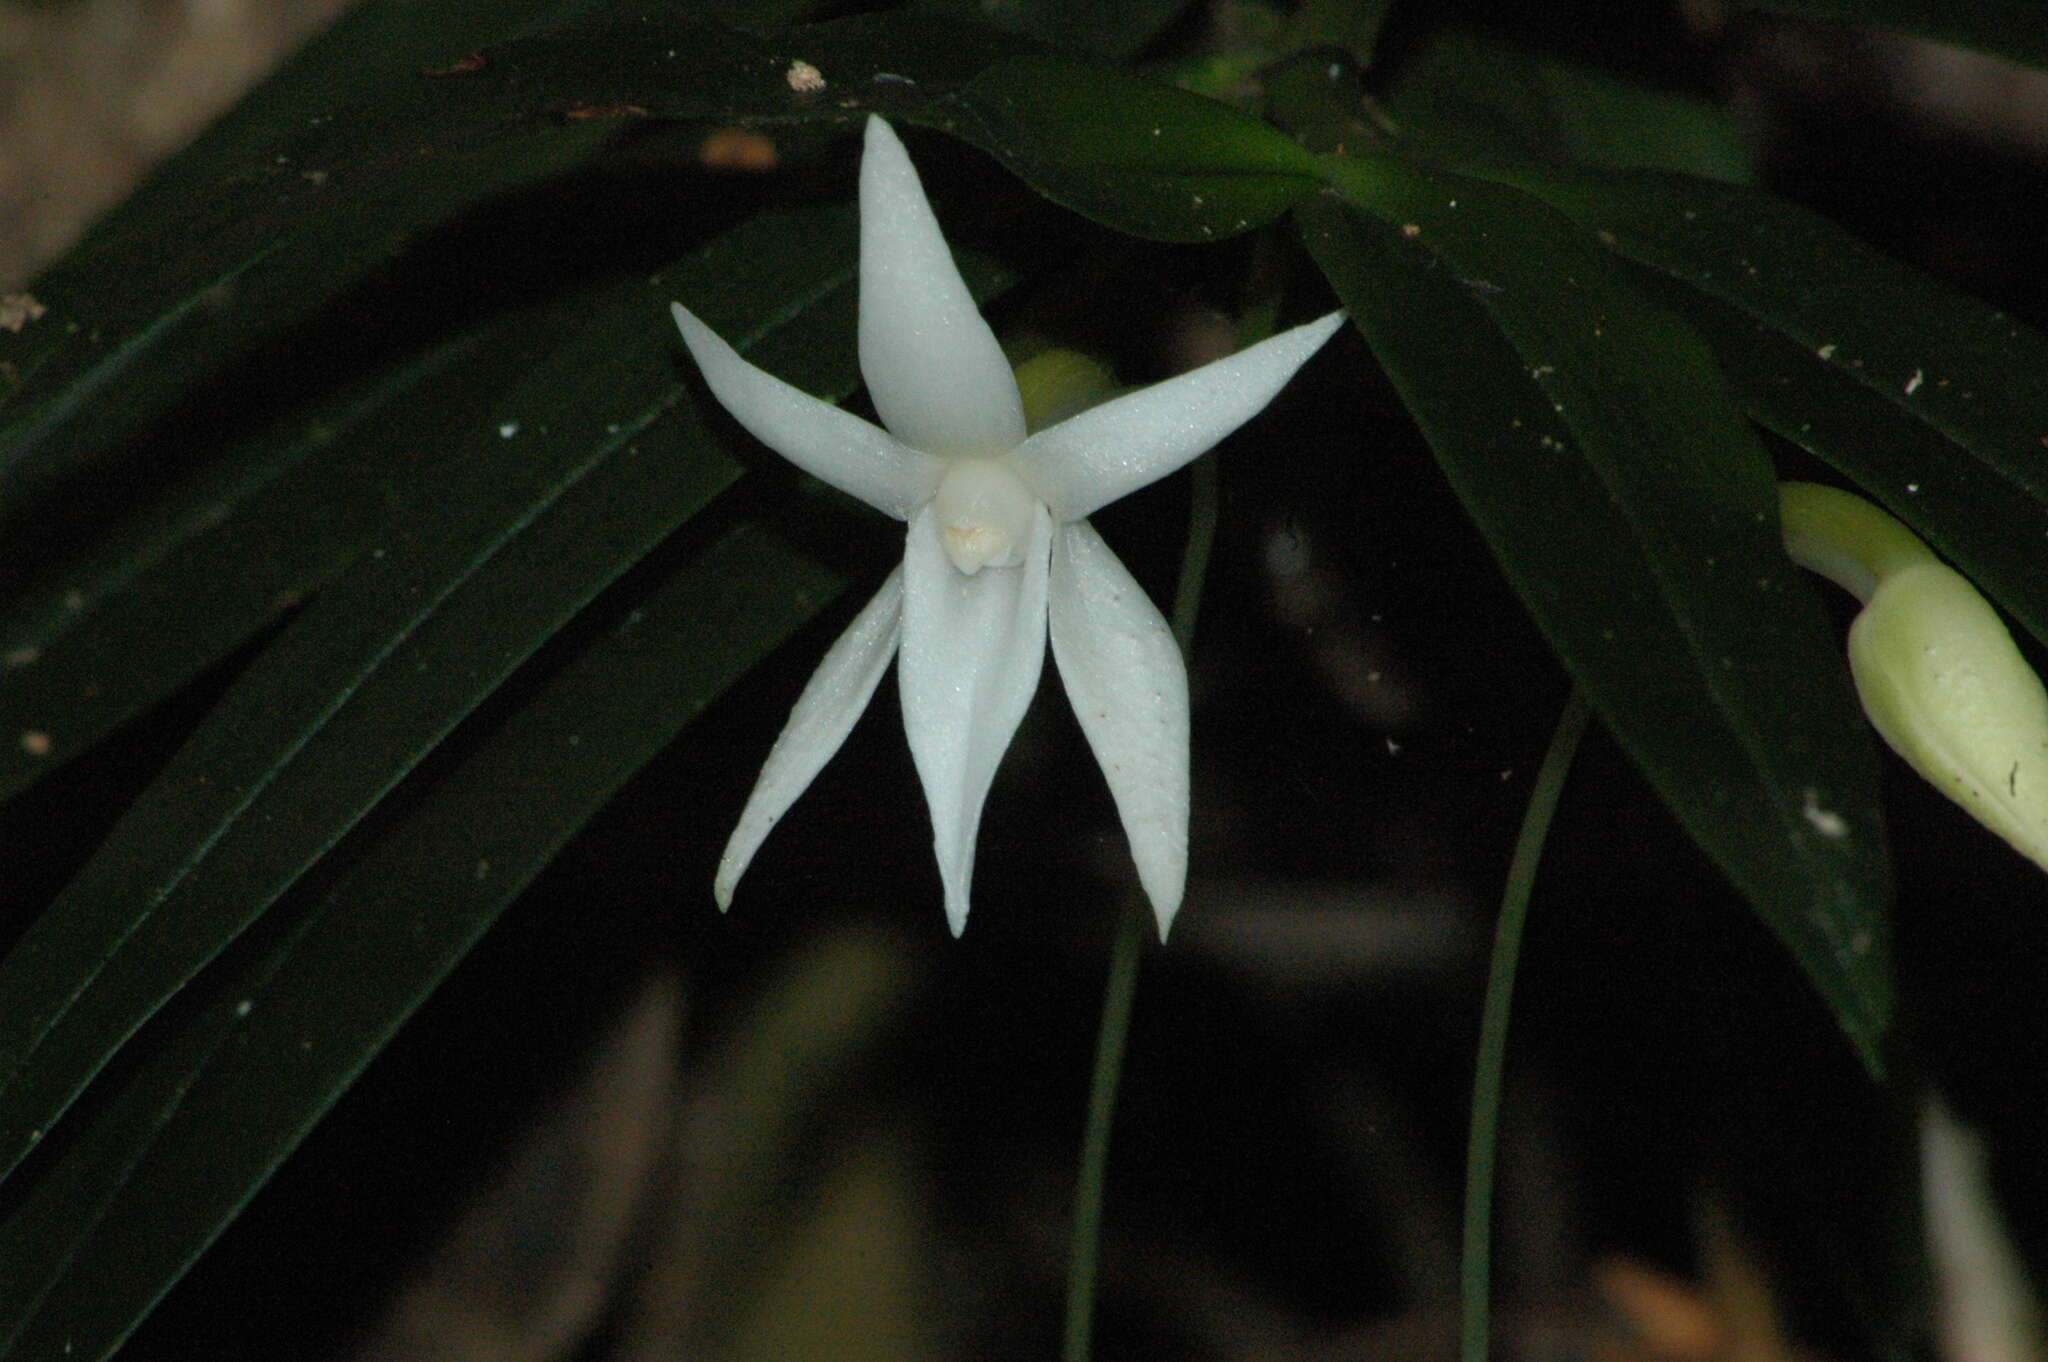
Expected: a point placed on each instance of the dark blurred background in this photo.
(632, 1128)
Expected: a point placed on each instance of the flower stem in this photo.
(1194, 562)
(1844, 538)
(1110, 1040)
(1477, 1277)
(1113, 1035)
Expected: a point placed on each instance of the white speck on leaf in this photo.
(1826, 822)
(507, 429)
(17, 310)
(1913, 383)
(804, 78)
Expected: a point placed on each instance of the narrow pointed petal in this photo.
(837, 694)
(831, 445)
(1124, 675)
(1087, 461)
(972, 651)
(934, 370)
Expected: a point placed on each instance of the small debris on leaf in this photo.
(584, 112)
(738, 149)
(468, 66)
(1826, 822)
(17, 310)
(804, 78)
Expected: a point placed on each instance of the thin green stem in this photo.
(1113, 1035)
(1477, 1277)
(1110, 1040)
(1194, 562)
(1844, 538)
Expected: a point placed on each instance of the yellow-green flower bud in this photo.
(1056, 384)
(1938, 673)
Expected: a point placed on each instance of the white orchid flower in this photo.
(998, 546)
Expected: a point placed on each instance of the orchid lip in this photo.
(983, 513)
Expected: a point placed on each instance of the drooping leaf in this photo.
(1133, 154)
(1083, 27)
(1471, 95)
(1954, 377)
(2006, 28)
(168, 591)
(236, 262)
(1978, 519)
(253, 244)
(1145, 159)
(1587, 431)
(190, 1135)
(544, 492)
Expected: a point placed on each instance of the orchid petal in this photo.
(836, 695)
(832, 445)
(934, 370)
(1124, 675)
(1087, 461)
(973, 648)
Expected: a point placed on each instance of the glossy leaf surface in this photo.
(1953, 381)
(161, 1167)
(546, 494)
(2007, 28)
(1590, 437)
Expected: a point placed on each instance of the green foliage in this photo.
(456, 587)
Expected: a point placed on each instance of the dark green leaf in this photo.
(544, 494)
(1966, 375)
(1588, 434)
(250, 255)
(1085, 27)
(1146, 159)
(1141, 157)
(242, 252)
(173, 588)
(1978, 519)
(1469, 94)
(176, 1153)
(2007, 28)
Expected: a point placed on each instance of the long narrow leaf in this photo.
(1991, 530)
(1920, 354)
(1588, 433)
(550, 492)
(2008, 28)
(1962, 368)
(164, 594)
(203, 1123)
